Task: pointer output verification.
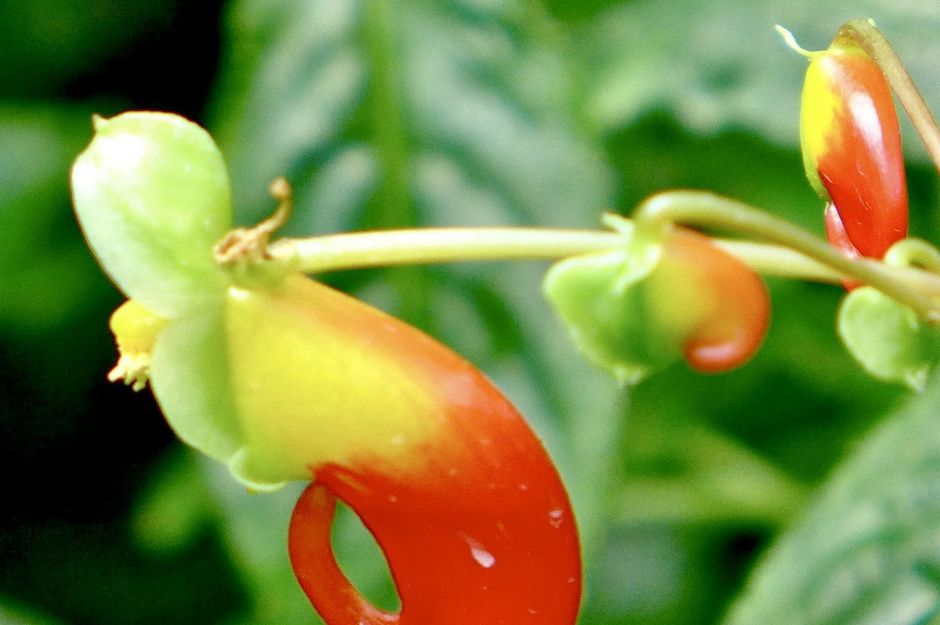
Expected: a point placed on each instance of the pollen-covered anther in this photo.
(133, 370)
(135, 331)
(251, 244)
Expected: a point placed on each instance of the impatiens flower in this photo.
(283, 378)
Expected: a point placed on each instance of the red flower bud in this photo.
(852, 148)
(637, 309)
(737, 316)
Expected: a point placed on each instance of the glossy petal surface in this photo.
(852, 146)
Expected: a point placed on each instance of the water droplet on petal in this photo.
(483, 557)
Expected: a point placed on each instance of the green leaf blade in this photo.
(866, 550)
(727, 68)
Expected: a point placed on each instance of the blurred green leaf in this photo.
(45, 270)
(865, 552)
(14, 614)
(173, 507)
(254, 528)
(450, 113)
(721, 66)
(49, 42)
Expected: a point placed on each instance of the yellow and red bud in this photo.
(852, 148)
(733, 325)
(633, 313)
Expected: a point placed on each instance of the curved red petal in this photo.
(476, 529)
(733, 328)
(839, 238)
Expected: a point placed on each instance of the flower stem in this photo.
(786, 250)
(870, 39)
(915, 288)
(384, 248)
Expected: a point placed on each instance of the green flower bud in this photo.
(633, 312)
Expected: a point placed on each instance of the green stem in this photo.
(870, 39)
(384, 248)
(917, 289)
(437, 245)
(394, 207)
(787, 250)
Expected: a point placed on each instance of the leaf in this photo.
(254, 528)
(721, 66)
(48, 43)
(865, 551)
(458, 108)
(45, 271)
(15, 614)
(173, 507)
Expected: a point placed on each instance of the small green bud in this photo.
(635, 310)
(624, 314)
(887, 338)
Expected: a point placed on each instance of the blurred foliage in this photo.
(866, 551)
(461, 112)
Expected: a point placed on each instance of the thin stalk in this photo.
(870, 39)
(384, 248)
(917, 289)
(791, 252)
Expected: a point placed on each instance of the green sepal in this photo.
(190, 377)
(151, 193)
(913, 252)
(887, 338)
(627, 311)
